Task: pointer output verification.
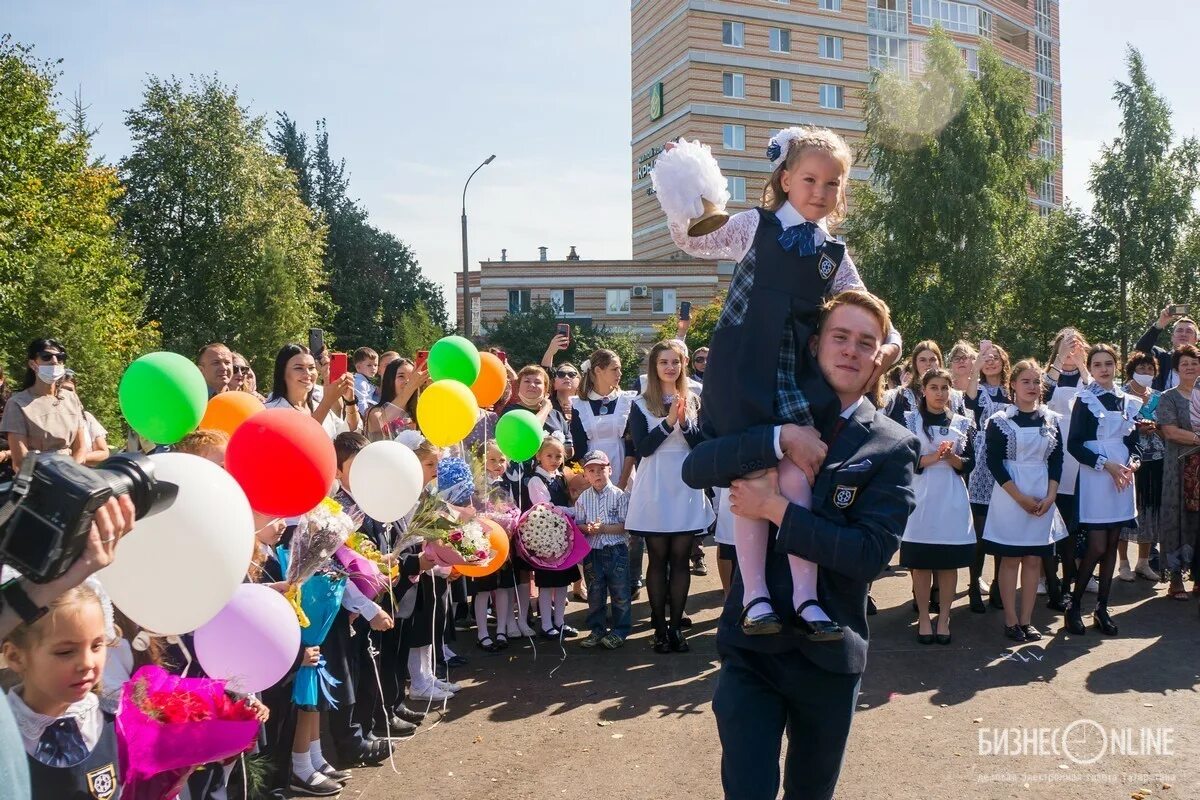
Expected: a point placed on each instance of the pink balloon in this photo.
(252, 642)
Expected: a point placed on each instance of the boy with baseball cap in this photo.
(600, 513)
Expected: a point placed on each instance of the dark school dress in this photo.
(94, 778)
(559, 496)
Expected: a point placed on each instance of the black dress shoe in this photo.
(408, 715)
(1075, 621)
(766, 625)
(1014, 632)
(316, 786)
(676, 641)
(1032, 634)
(339, 775)
(942, 638)
(457, 661)
(1059, 605)
(685, 622)
(821, 630)
(400, 728)
(977, 604)
(924, 638)
(661, 642)
(872, 609)
(1103, 621)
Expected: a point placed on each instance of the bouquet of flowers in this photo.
(318, 536)
(365, 565)
(168, 726)
(465, 544)
(549, 539)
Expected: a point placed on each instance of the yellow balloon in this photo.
(446, 412)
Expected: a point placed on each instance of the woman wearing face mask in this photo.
(40, 418)
(1141, 369)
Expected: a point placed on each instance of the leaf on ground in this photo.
(604, 723)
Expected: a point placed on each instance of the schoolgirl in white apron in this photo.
(1104, 439)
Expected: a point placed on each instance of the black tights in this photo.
(1102, 550)
(979, 518)
(676, 550)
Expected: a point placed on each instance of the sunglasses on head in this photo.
(47, 357)
(563, 373)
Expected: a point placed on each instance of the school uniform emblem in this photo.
(843, 496)
(944, 430)
(826, 266)
(102, 783)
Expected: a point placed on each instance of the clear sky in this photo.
(417, 94)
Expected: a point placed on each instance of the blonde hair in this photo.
(962, 348)
(196, 442)
(825, 141)
(27, 634)
(653, 390)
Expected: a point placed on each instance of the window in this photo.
(1045, 95)
(830, 5)
(733, 34)
(887, 52)
(889, 16)
(781, 90)
(662, 301)
(563, 300)
(972, 59)
(1046, 148)
(737, 188)
(617, 301)
(832, 96)
(781, 40)
(1041, 13)
(916, 56)
(733, 137)
(1044, 57)
(831, 47)
(1046, 193)
(733, 84)
(476, 314)
(952, 16)
(519, 301)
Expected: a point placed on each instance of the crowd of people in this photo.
(1059, 470)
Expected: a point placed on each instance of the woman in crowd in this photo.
(925, 356)
(601, 414)
(1140, 371)
(293, 387)
(398, 393)
(663, 423)
(939, 538)
(533, 395)
(5, 453)
(961, 360)
(1024, 456)
(1180, 518)
(984, 392)
(40, 418)
(1104, 440)
(96, 447)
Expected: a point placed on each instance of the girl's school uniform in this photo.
(660, 502)
(1103, 429)
(940, 533)
(555, 486)
(1024, 447)
(71, 757)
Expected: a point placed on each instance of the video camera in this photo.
(47, 509)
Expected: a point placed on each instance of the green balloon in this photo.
(454, 358)
(163, 396)
(519, 435)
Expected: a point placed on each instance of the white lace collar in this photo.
(32, 725)
(1095, 388)
(789, 217)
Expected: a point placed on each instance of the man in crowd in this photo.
(860, 502)
(1184, 332)
(216, 364)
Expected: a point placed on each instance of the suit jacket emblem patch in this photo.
(827, 266)
(843, 496)
(102, 783)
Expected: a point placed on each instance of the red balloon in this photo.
(284, 461)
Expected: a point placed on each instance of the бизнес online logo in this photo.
(1083, 742)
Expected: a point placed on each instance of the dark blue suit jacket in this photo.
(861, 502)
(1149, 344)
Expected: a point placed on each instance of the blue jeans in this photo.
(607, 574)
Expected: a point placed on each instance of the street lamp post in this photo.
(466, 286)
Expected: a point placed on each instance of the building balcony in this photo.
(885, 63)
(880, 19)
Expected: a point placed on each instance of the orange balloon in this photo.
(227, 410)
(492, 381)
(498, 540)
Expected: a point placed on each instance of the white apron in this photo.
(943, 512)
(1099, 500)
(606, 431)
(1062, 402)
(1027, 464)
(660, 501)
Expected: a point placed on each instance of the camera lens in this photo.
(133, 474)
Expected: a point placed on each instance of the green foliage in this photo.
(374, 278)
(414, 331)
(704, 322)
(63, 271)
(228, 251)
(525, 337)
(1143, 188)
(947, 214)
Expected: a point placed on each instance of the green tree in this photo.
(704, 322)
(1143, 188)
(525, 337)
(415, 331)
(374, 278)
(63, 270)
(227, 249)
(947, 210)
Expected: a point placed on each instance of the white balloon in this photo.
(386, 480)
(176, 569)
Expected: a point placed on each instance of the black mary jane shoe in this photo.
(1075, 621)
(765, 625)
(316, 786)
(661, 643)
(1103, 621)
(501, 641)
(1015, 632)
(342, 776)
(1060, 605)
(1032, 634)
(977, 604)
(685, 622)
(487, 644)
(821, 630)
(925, 638)
(676, 641)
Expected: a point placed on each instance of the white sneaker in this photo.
(1143, 569)
(447, 686)
(1041, 586)
(1092, 586)
(433, 694)
(1125, 573)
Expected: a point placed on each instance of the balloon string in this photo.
(372, 653)
(245, 779)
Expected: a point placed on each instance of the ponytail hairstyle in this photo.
(601, 359)
(926, 379)
(798, 141)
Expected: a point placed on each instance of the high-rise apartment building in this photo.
(732, 72)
